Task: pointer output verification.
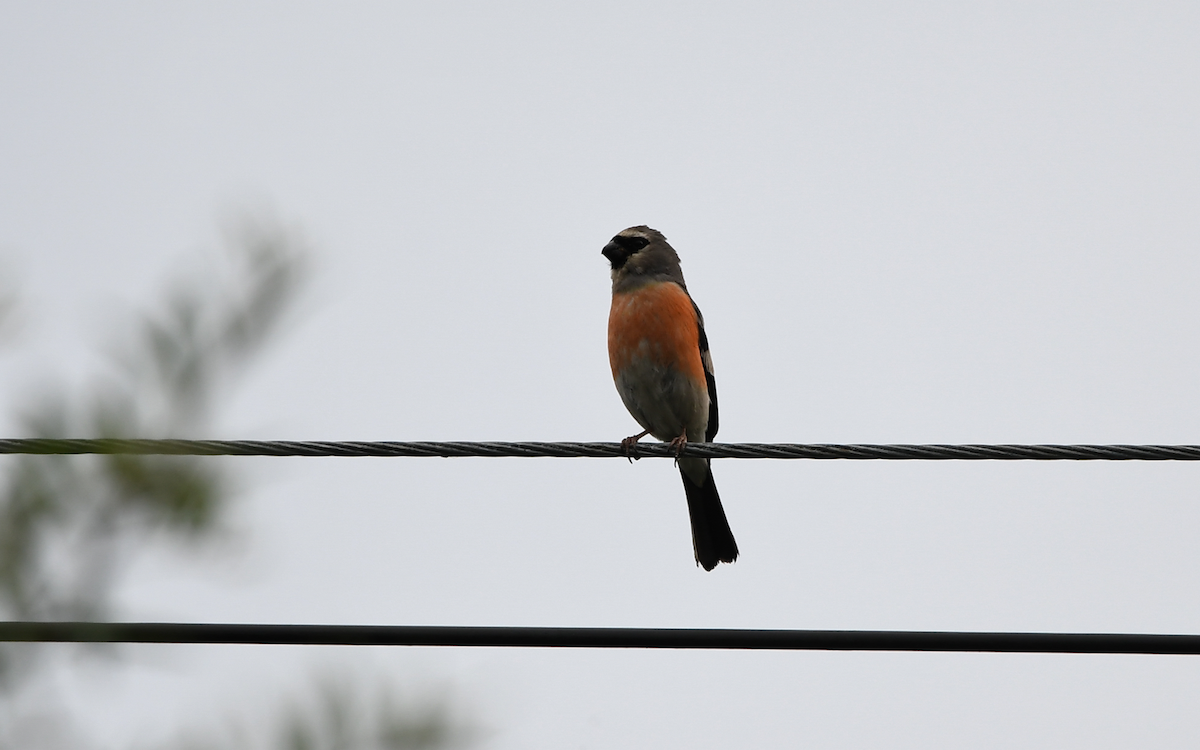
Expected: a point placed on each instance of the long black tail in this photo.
(711, 537)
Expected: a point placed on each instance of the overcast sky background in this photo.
(904, 222)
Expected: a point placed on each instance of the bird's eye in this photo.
(631, 244)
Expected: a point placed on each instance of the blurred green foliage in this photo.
(338, 715)
(66, 522)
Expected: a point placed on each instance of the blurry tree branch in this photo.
(65, 521)
(339, 715)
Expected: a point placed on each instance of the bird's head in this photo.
(642, 253)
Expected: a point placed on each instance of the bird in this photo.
(663, 371)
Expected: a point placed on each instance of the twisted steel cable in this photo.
(385, 449)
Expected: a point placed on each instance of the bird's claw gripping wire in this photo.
(629, 445)
(678, 445)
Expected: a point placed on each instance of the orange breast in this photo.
(658, 322)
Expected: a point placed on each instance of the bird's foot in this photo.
(629, 445)
(677, 445)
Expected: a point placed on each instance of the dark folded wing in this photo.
(706, 358)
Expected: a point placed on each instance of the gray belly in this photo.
(663, 400)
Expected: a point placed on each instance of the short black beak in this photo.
(616, 254)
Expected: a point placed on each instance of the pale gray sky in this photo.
(905, 222)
